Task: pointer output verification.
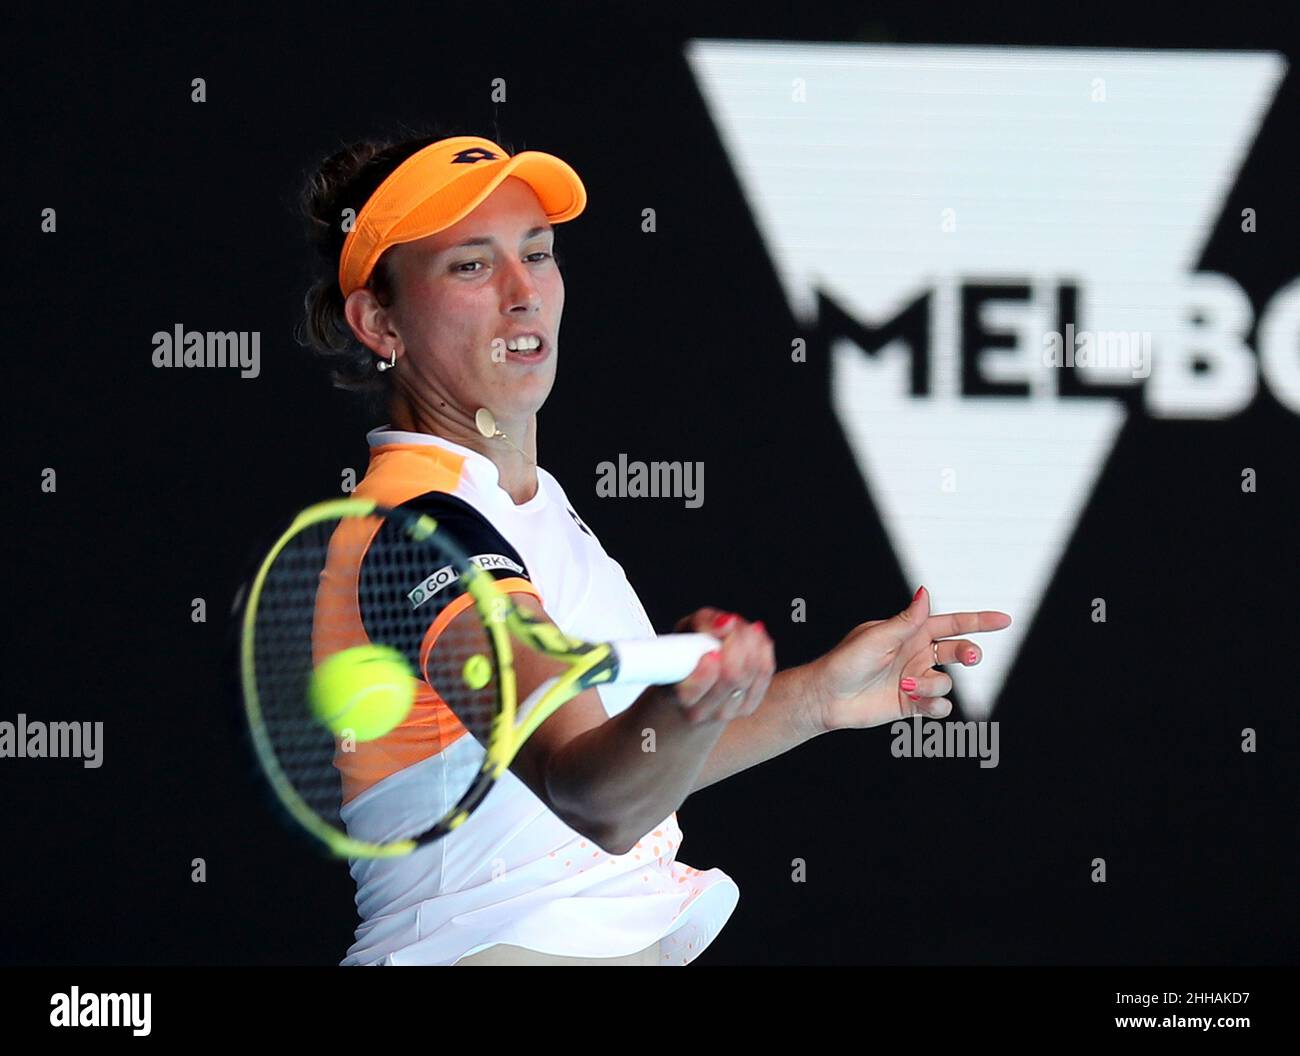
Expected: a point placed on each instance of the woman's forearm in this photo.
(618, 780)
(789, 715)
(623, 777)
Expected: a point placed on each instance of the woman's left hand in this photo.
(862, 681)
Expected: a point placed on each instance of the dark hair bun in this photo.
(344, 181)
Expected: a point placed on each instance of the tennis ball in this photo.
(477, 672)
(368, 689)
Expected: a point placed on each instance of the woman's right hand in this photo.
(730, 682)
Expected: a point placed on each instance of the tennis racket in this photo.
(351, 572)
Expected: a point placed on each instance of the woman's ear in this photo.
(369, 321)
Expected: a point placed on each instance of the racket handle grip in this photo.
(661, 661)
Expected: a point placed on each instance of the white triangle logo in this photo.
(887, 178)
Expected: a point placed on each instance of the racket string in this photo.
(338, 584)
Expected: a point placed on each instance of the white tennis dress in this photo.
(514, 872)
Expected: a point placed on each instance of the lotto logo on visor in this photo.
(446, 576)
(468, 157)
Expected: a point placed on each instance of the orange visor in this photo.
(440, 185)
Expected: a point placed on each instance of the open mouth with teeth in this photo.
(525, 347)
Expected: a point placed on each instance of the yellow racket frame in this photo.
(589, 665)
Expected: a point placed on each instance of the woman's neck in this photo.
(516, 468)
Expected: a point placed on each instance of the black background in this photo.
(1119, 740)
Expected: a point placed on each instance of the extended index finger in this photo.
(946, 624)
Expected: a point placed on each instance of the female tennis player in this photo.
(441, 301)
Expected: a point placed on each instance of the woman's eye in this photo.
(471, 263)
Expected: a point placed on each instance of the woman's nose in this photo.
(519, 287)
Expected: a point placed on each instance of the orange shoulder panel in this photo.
(396, 474)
